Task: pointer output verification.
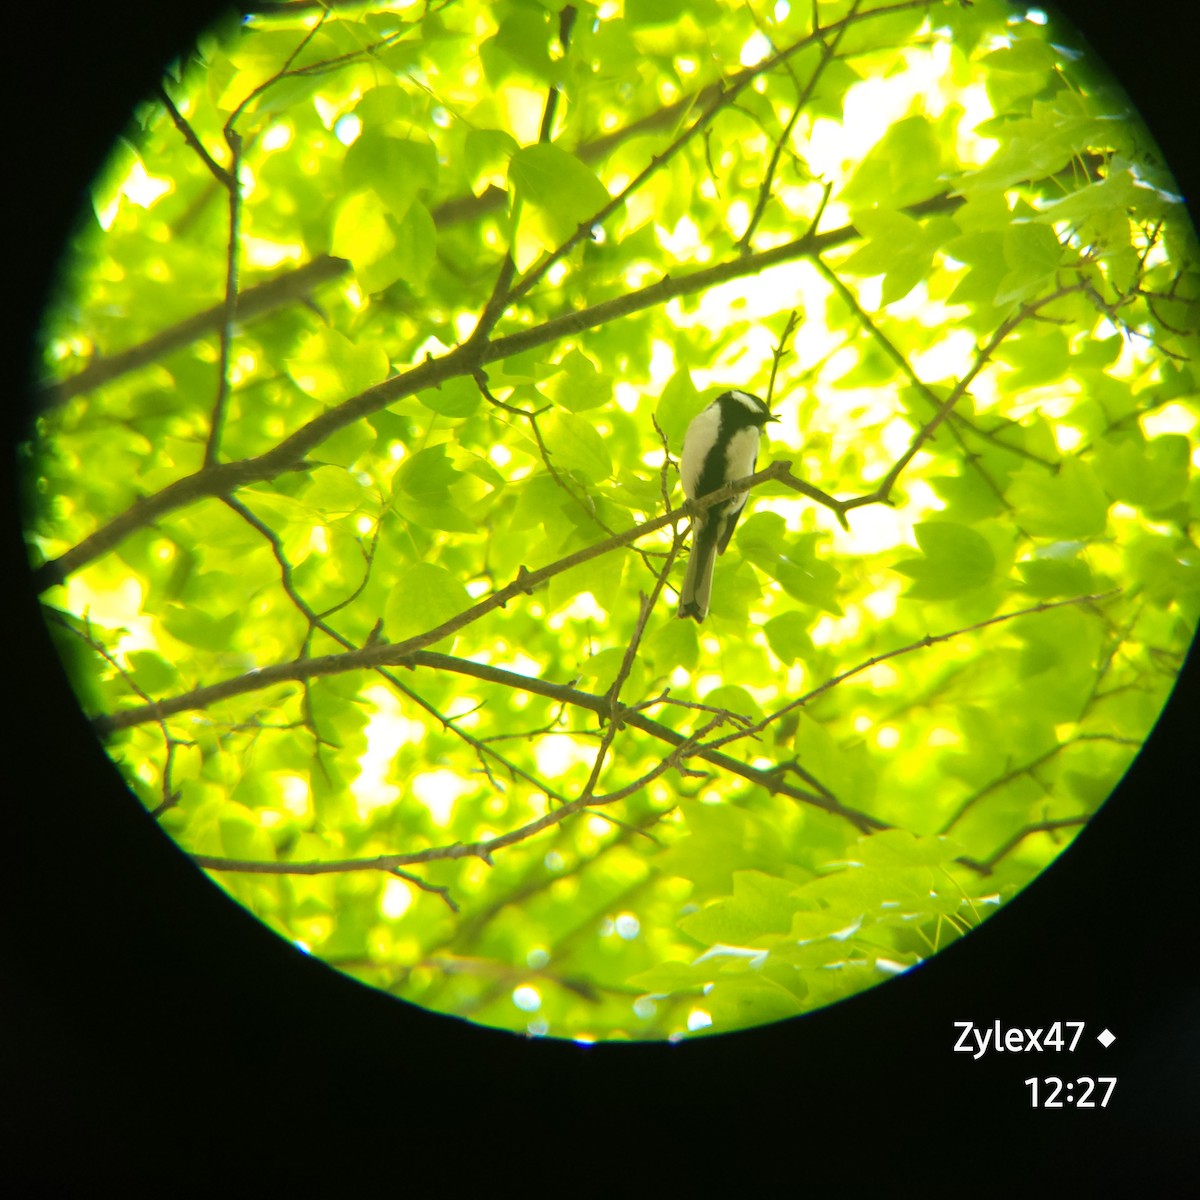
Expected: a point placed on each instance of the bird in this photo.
(720, 445)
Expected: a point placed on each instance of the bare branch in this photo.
(417, 881)
(922, 644)
(229, 310)
(222, 176)
(385, 653)
(1030, 768)
(170, 795)
(804, 94)
(731, 90)
(257, 301)
(988, 865)
(220, 479)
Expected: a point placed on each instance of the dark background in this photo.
(154, 1033)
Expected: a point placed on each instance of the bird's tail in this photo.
(697, 582)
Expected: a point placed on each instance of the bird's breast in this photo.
(742, 453)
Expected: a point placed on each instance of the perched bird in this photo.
(720, 445)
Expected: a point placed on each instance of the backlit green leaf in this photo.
(331, 367)
(955, 559)
(423, 597)
(574, 445)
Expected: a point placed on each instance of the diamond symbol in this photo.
(1106, 1039)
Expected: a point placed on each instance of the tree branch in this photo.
(921, 644)
(220, 479)
(216, 422)
(257, 301)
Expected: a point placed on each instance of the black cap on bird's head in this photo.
(744, 408)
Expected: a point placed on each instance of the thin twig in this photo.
(930, 639)
(222, 176)
(216, 422)
(828, 53)
(222, 478)
(987, 866)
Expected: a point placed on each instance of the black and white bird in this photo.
(720, 445)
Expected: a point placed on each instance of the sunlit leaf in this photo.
(955, 559)
(331, 367)
(423, 597)
(960, 273)
(574, 445)
(558, 192)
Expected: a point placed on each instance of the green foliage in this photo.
(491, 260)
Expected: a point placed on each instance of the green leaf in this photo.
(579, 386)
(424, 597)
(760, 904)
(1115, 193)
(654, 12)
(762, 539)
(601, 670)
(789, 637)
(1038, 146)
(415, 250)
(331, 368)
(153, 673)
(558, 194)
(424, 491)
(956, 559)
(487, 155)
(334, 492)
(428, 473)
(194, 627)
(733, 699)
(672, 644)
(677, 405)
(721, 839)
(574, 445)
(458, 397)
(1069, 504)
(736, 590)
(968, 497)
(348, 445)
(603, 579)
(1148, 474)
(902, 168)
(396, 169)
(982, 252)
(900, 848)
(1169, 573)
(827, 757)
(539, 503)
(759, 537)
(1033, 255)
(361, 232)
(897, 247)
(1050, 577)
(530, 366)
(522, 43)
(749, 1000)
(672, 977)
(1025, 56)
